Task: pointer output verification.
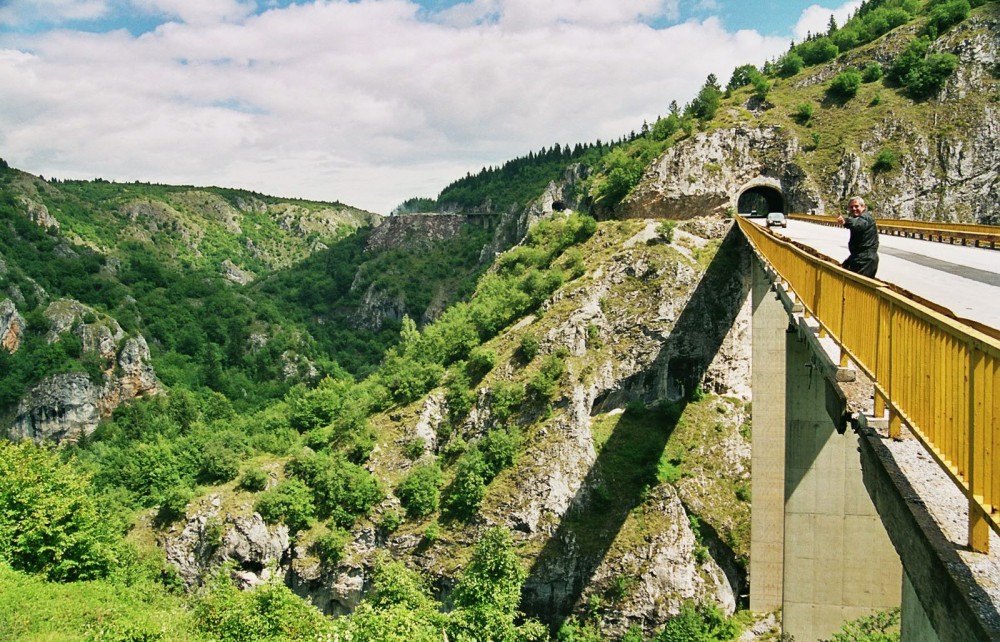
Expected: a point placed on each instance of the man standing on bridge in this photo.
(863, 244)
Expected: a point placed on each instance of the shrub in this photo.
(885, 161)
(872, 73)
(944, 15)
(468, 488)
(845, 84)
(505, 399)
(49, 522)
(528, 349)
(173, 506)
(329, 547)
(253, 480)
(790, 64)
(544, 384)
(290, 502)
(804, 113)
(414, 448)
(666, 230)
(481, 361)
(419, 492)
(926, 79)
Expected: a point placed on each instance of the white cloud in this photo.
(199, 11)
(363, 102)
(18, 12)
(816, 19)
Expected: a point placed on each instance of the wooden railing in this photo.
(936, 375)
(955, 233)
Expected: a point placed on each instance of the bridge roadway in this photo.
(966, 281)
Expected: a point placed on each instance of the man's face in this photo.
(856, 208)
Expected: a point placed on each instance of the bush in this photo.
(329, 547)
(480, 362)
(944, 15)
(419, 492)
(804, 113)
(268, 612)
(505, 399)
(872, 73)
(253, 480)
(49, 523)
(528, 349)
(845, 84)
(926, 78)
(544, 384)
(790, 64)
(885, 161)
(173, 506)
(666, 230)
(290, 502)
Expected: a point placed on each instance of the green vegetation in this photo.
(882, 626)
(275, 399)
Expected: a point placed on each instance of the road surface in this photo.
(965, 280)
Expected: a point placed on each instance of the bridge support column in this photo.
(839, 563)
(767, 520)
(818, 548)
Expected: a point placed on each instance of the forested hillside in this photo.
(443, 431)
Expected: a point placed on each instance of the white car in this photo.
(776, 219)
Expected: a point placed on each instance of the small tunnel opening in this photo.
(759, 200)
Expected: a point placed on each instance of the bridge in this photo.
(876, 439)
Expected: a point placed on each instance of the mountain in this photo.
(522, 416)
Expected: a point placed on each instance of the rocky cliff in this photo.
(68, 406)
(939, 156)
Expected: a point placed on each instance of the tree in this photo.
(49, 523)
(742, 76)
(704, 106)
(488, 594)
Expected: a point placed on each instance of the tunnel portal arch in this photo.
(760, 196)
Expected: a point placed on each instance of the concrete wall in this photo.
(767, 518)
(839, 563)
(818, 548)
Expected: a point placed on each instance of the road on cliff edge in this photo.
(965, 280)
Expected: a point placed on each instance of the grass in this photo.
(32, 610)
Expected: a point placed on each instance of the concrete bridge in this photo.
(871, 489)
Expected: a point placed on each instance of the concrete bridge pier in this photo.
(819, 551)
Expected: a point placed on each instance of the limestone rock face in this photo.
(948, 168)
(11, 326)
(704, 174)
(62, 407)
(210, 537)
(68, 406)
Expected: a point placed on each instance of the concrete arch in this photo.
(763, 195)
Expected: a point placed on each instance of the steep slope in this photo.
(928, 158)
(614, 417)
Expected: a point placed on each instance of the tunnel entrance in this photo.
(759, 200)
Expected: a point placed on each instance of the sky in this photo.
(365, 102)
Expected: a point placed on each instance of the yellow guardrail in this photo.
(963, 233)
(937, 375)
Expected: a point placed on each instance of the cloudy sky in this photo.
(365, 102)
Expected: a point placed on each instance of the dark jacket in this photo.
(863, 245)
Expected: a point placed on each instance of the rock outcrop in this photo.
(948, 155)
(210, 537)
(68, 406)
(11, 326)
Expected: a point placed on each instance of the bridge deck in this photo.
(965, 280)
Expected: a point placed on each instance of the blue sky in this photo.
(367, 102)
